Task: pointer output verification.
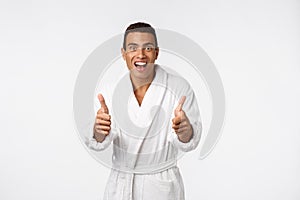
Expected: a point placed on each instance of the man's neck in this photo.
(140, 87)
(142, 84)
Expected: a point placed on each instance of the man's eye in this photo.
(132, 48)
(149, 48)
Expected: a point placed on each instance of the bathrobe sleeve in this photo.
(191, 109)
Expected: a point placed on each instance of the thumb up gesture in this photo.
(102, 122)
(181, 123)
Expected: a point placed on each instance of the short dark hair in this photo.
(139, 27)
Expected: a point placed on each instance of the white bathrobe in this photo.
(145, 147)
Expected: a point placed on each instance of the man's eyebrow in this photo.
(132, 44)
(149, 43)
(143, 44)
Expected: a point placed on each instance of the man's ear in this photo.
(123, 53)
(156, 52)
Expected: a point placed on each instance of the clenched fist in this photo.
(181, 123)
(102, 122)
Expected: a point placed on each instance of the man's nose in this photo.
(140, 53)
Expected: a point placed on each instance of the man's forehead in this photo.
(140, 37)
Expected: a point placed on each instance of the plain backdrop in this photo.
(255, 46)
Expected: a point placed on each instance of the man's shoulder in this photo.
(175, 78)
(175, 81)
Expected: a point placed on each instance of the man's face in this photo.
(140, 54)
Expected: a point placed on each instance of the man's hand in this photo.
(102, 122)
(181, 123)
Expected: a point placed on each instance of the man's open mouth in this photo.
(140, 64)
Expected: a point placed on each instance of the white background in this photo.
(255, 46)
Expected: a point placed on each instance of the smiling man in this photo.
(163, 120)
(140, 52)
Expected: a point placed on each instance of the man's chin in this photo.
(141, 74)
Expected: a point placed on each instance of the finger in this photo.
(181, 130)
(175, 127)
(182, 125)
(103, 116)
(104, 128)
(103, 122)
(176, 120)
(104, 132)
(102, 102)
(180, 103)
(101, 130)
(102, 110)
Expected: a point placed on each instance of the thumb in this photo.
(180, 104)
(102, 103)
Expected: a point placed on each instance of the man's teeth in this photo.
(143, 64)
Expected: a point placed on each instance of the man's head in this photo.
(139, 27)
(140, 50)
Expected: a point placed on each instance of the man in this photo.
(161, 119)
